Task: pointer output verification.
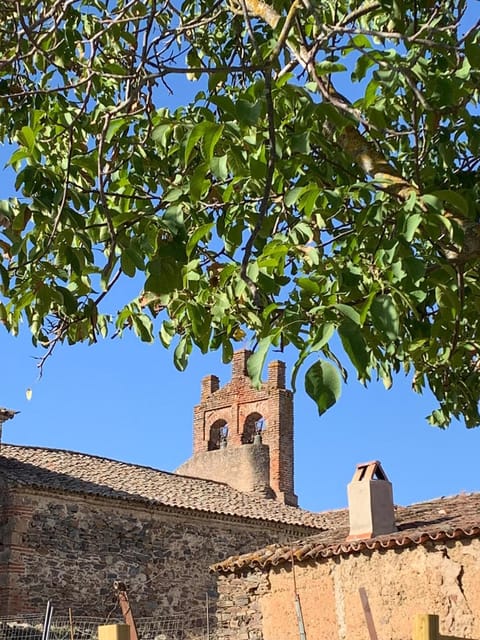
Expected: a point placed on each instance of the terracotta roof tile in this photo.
(54, 469)
(435, 521)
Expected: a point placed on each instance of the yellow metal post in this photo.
(426, 627)
(114, 632)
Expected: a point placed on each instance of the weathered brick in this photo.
(238, 406)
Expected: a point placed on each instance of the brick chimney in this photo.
(370, 502)
(231, 415)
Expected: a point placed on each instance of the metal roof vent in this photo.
(370, 502)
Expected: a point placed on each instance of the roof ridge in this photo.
(97, 456)
(83, 454)
(440, 498)
(172, 474)
(459, 519)
(198, 493)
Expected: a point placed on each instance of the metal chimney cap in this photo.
(369, 471)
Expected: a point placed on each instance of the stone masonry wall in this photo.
(5, 537)
(239, 613)
(70, 549)
(439, 579)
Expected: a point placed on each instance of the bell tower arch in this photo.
(248, 416)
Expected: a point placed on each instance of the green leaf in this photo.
(309, 286)
(256, 361)
(355, 347)
(165, 275)
(248, 112)
(161, 133)
(219, 167)
(360, 41)
(114, 128)
(293, 195)
(433, 201)
(26, 137)
(225, 105)
(412, 223)
(209, 133)
(364, 62)
(367, 305)
(182, 353)
(142, 325)
(447, 300)
(128, 267)
(210, 140)
(167, 332)
(325, 67)
(173, 221)
(472, 50)
(370, 93)
(227, 351)
(322, 336)
(386, 376)
(198, 182)
(323, 384)
(135, 255)
(201, 325)
(415, 268)
(5, 278)
(453, 198)
(349, 312)
(308, 198)
(199, 234)
(69, 300)
(385, 318)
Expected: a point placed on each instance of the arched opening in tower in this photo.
(254, 424)
(218, 432)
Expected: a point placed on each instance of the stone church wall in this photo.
(439, 579)
(71, 548)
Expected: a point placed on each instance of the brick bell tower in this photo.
(244, 436)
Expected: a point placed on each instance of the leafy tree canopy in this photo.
(317, 176)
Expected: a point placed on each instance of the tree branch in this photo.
(362, 151)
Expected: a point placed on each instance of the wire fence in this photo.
(30, 627)
(182, 626)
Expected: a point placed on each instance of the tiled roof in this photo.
(67, 471)
(436, 521)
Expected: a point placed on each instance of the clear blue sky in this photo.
(125, 400)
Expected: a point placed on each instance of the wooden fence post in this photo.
(368, 614)
(426, 627)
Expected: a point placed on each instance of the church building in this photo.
(225, 529)
(71, 524)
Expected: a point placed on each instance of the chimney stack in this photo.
(370, 502)
(239, 363)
